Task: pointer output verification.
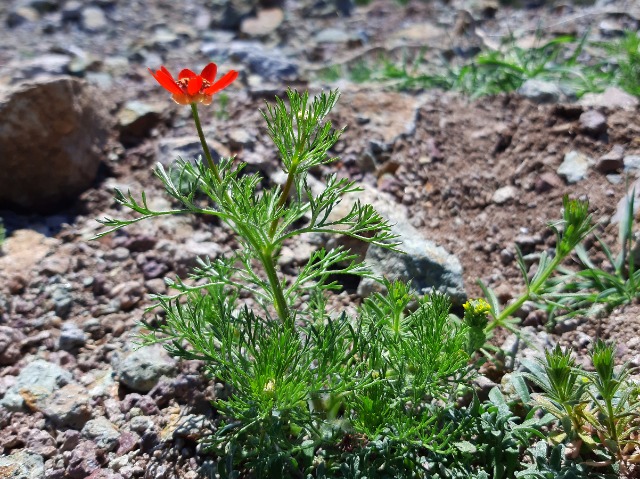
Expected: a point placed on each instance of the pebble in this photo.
(22, 465)
(612, 98)
(548, 181)
(69, 439)
(37, 381)
(10, 340)
(631, 162)
(540, 91)
(142, 369)
(593, 122)
(103, 432)
(70, 406)
(575, 166)
(271, 64)
(136, 119)
(83, 460)
(612, 161)
(504, 194)
(264, 23)
(21, 15)
(93, 19)
(141, 424)
(41, 442)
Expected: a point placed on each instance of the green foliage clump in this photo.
(563, 60)
(382, 392)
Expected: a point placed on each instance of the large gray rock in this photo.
(35, 383)
(142, 369)
(22, 465)
(428, 266)
(51, 136)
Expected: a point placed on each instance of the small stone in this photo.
(35, 383)
(583, 339)
(631, 163)
(548, 181)
(593, 123)
(72, 10)
(93, 19)
(612, 98)
(10, 340)
(128, 294)
(69, 406)
(83, 460)
(69, 439)
(189, 426)
(137, 118)
(264, 23)
(127, 442)
(156, 286)
(103, 432)
(611, 162)
(506, 257)
(504, 194)
(55, 265)
(239, 138)
(117, 254)
(22, 15)
(540, 91)
(483, 386)
(332, 35)
(575, 166)
(22, 465)
(40, 442)
(141, 424)
(142, 369)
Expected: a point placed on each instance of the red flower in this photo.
(191, 88)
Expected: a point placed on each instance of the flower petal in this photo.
(186, 73)
(209, 72)
(166, 72)
(223, 83)
(166, 81)
(194, 85)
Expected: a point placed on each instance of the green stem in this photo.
(265, 257)
(283, 197)
(278, 294)
(532, 289)
(203, 142)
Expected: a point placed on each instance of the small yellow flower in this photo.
(477, 306)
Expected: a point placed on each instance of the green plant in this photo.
(303, 379)
(624, 62)
(315, 392)
(563, 60)
(599, 411)
(575, 292)
(3, 233)
(570, 232)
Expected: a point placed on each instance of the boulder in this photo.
(51, 140)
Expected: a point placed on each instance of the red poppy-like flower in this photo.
(191, 88)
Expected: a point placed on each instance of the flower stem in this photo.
(283, 198)
(266, 257)
(531, 290)
(203, 142)
(278, 294)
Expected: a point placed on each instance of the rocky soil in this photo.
(465, 181)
